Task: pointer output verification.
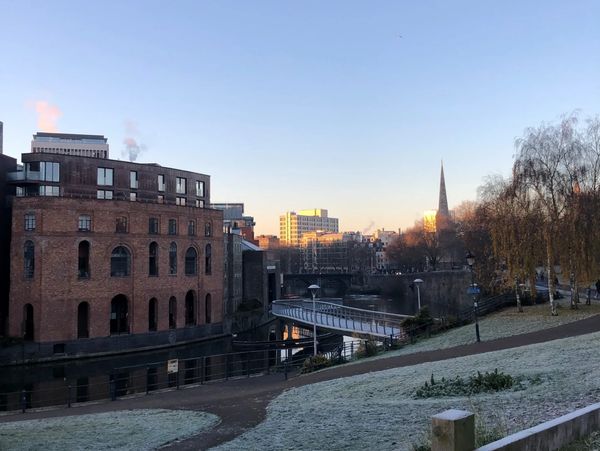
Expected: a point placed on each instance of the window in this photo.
(48, 190)
(132, 197)
(191, 227)
(83, 320)
(172, 226)
(153, 226)
(199, 203)
(172, 312)
(105, 176)
(190, 308)
(85, 223)
(199, 188)
(120, 261)
(83, 265)
(207, 259)
(104, 194)
(133, 179)
(191, 257)
(173, 258)
(207, 229)
(153, 259)
(29, 222)
(49, 171)
(29, 259)
(208, 309)
(161, 182)
(121, 225)
(180, 187)
(180, 201)
(160, 199)
(152, 314)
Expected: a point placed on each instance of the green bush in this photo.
(315, 363)
(487, 382)
(367, 349)
(420, 320)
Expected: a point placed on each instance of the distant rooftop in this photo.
(46, 136)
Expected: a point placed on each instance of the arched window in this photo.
(208, 309)
(153, 259)
(173, 258)
(208, 259)
(28, 322)
(152, 314)
(120, 262)
(83, 268)
(83, 320)
(119, 317)
(191, 257)
(190, 308)
(172, 313)
(29, 258)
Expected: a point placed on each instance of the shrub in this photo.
(367, 348)
(487, 382)
(315, 363)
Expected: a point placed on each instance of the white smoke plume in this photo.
(133, 148)
(48, 116)
(367, 229)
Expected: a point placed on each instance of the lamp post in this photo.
(471, 261)
(313, 291)
(418, 283)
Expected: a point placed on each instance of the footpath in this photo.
(241, 404)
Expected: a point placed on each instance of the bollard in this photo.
(177, 380)
(147, 380)
(69, 395)
(202, 370)
(453, 430)
(285, 369)
(23, 401)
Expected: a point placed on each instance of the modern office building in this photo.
(109, 254)
(235, 219)
(293, 225)
(94, 146)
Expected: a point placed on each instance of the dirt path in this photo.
(241, 404)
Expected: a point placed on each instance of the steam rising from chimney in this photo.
(132, 149)
(48, 115)
(367, 229)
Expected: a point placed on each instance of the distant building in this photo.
(345, 252)
(234, 219)
(382, 239)
(93, 146)
(268, 241)
(293, 225)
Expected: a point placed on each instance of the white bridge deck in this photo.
(337, 317)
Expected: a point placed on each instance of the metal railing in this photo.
(338, 317)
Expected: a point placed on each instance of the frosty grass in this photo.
(378, 410)
(121, 430)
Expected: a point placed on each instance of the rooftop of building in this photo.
(47, 136)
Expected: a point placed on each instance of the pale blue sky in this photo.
(288, 105)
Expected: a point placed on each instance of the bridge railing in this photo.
(339, 317)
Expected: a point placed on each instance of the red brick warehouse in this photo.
(103, 248)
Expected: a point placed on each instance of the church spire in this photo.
(443, 203)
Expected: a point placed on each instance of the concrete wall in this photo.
(444, 292)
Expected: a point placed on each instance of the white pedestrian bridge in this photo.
(336, 317)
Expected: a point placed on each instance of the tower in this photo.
(443, 215)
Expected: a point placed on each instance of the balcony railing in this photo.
(22, 176)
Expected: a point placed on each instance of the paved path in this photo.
(241, 404)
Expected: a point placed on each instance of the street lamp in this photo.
(471, 261)
(313, 291)
(418, 282)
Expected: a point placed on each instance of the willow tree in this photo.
(542, 169)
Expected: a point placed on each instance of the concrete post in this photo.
(453, 430)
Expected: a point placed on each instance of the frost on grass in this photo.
(502, 324)
(379, 410)
(121, 430)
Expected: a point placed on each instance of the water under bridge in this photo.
(336, 317)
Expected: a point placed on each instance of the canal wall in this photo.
(443, 292)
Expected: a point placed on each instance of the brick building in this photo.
(104, 249)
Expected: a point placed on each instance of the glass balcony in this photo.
(23, 176)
